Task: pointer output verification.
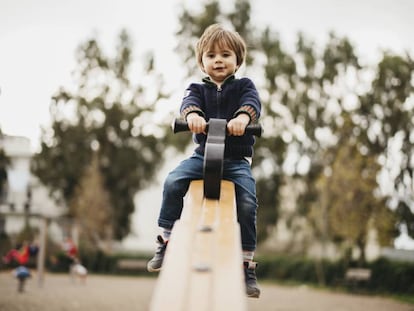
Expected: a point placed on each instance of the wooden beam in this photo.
(202, 268)
(41, 256)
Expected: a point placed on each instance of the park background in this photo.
(128, 63)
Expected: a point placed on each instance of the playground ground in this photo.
(113, 293)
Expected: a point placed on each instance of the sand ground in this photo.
(114, 293)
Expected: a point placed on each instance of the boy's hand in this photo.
(237, 125)
(196, 123)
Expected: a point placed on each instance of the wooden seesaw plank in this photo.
(203, 264)
(229, 288)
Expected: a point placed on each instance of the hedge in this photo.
(386, 276)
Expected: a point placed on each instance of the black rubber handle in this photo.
(181, 125)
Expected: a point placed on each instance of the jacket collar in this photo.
(209, 82)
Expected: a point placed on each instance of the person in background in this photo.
(21, 273)
(21, 253)
(70, 249)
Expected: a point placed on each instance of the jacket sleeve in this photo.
(249, 101)
(192, 101)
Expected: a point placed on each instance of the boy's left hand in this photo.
(237, 125)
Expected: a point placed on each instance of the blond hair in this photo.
(216, 34)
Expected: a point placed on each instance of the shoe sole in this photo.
(254, 295)
(151, 269)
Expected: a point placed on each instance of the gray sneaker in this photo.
(155, 263)
(252, 289)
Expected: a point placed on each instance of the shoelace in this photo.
(250, 274)
(162, 245)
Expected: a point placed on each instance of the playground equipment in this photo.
(203, 268)
(42, 236)
(42, 224)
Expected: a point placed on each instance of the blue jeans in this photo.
(237, 171)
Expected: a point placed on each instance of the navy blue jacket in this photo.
(234, 97)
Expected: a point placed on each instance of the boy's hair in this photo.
(217, 34)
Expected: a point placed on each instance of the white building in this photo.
(24, 193)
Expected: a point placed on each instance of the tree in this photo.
(4, 164)
(319, 90)
(307, 94)
(191, 28)
(92, 209)
(349, 200)
(386, 115)
(104, 111)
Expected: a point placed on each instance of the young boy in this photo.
(220, 53)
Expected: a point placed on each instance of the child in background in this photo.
(220, 53)
(22, 274)
(77, 270)
(70, 249)
(21, 253)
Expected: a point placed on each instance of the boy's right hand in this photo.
(196, 123)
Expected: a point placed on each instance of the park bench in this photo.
(357, 277)
(357, 274)
(203, 267)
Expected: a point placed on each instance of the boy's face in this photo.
(219, 63)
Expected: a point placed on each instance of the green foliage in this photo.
(268, 201)
(386, 115)
(406, 217)
(92, 208)
(5, 243)
(26, 235)
(394, 277)
(347, 206)
(4, 164)
(98, 261)
(191, 28)
(104, 112)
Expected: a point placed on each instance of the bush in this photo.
(386, 276)
(391, 276)
(98, 262)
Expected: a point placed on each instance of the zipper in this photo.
(219, 102)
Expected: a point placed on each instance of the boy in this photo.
(220, 53)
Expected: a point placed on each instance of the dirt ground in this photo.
(112, 293)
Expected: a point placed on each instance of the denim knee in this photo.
(172, 186)
(246, 215)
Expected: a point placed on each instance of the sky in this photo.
(38, 40)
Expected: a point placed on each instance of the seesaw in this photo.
(203, 267)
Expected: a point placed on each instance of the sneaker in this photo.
(155, 263)
(252, 289)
